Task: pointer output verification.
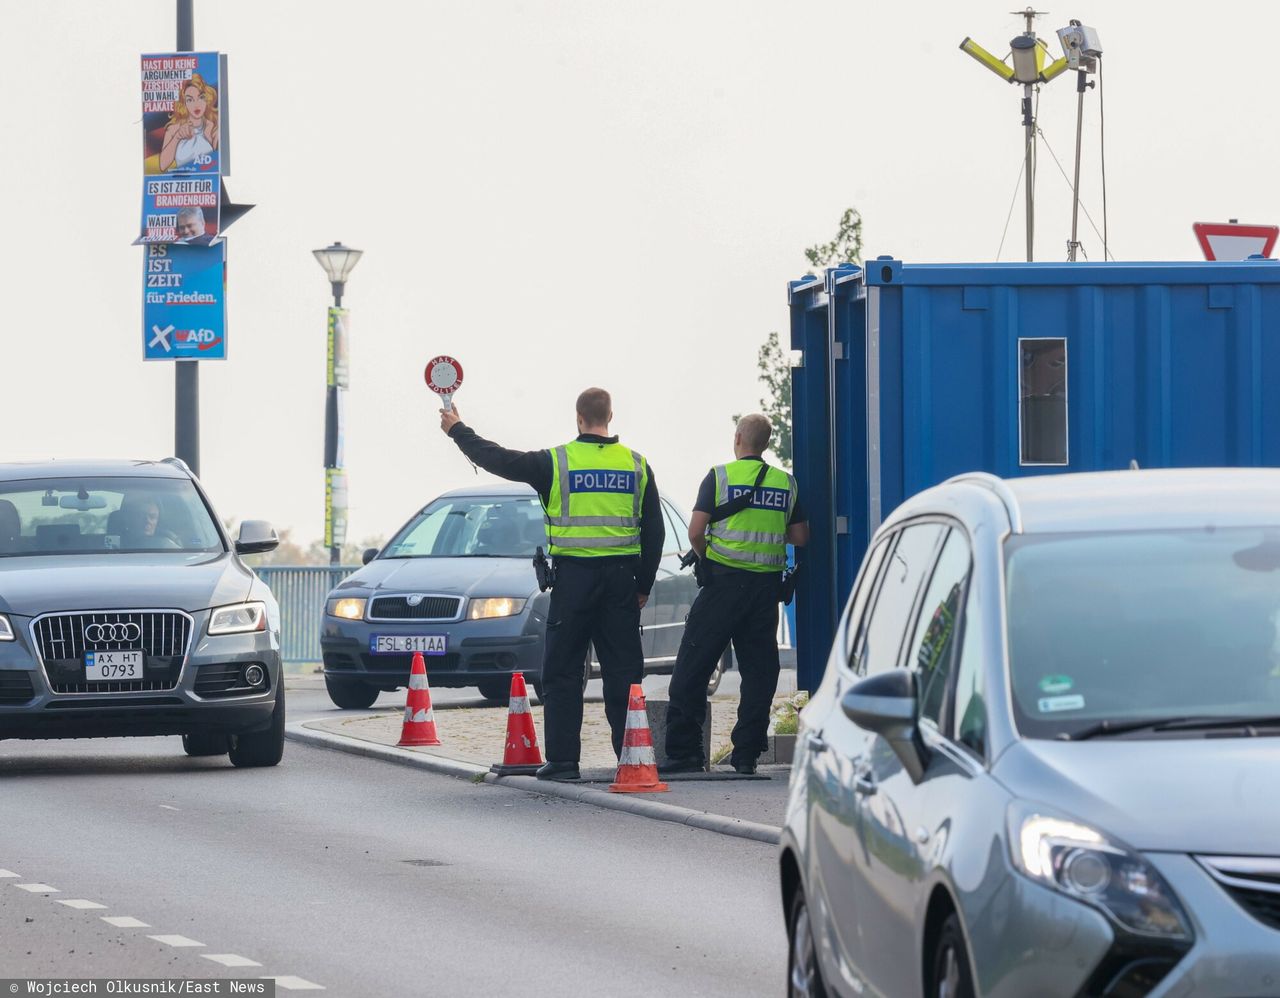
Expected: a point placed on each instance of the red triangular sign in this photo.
(1232, 241)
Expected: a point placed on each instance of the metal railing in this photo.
(301, 591)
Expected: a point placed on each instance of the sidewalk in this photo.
(722, 801)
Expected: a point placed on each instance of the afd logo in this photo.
(602, 481)
(763, 498)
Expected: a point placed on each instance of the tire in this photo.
(494, 689)
(261, 748)
(804, 974)
(203, 743)
(950, 975)
(723, 666)
(350, 694)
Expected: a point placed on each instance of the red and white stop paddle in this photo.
(444, 377)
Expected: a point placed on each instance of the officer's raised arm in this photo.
(531, 467)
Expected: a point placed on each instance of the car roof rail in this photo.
(177, 462)
(1000, 487)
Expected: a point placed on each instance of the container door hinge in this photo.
(837, 350)
(842, 524)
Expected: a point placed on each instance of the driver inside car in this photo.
(140, 526)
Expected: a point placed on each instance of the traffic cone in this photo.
(637, 769)
(521, 755)
(419, 719)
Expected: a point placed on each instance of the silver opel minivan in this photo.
(1044, 759)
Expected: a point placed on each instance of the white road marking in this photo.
(295, 984)
(170, 807)
(80, 903)
(175, 940)
(8, 873)
(124, 922)
(231, 960)
(38, 888)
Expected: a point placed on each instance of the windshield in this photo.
(472, 527)
(1142, 625)
(50, 516)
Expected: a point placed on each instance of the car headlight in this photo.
(1080, 861)
(497, 606)
(238, 619)
(6, 629)
(348, 608)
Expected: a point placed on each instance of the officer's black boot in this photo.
(559, 771)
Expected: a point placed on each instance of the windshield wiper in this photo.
(1201, 722)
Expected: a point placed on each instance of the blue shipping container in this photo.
(912, 373)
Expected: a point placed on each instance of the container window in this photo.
(1042, 400)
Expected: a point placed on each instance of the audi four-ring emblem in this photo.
(100, 633)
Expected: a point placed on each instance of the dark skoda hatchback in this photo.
(125, 610)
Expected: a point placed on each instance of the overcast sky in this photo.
(560, 194)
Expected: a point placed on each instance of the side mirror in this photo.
(256, 537)
(886, 705)
(368, 556)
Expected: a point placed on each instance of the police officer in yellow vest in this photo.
(744, 556)
(605, 536)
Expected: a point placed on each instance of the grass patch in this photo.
(786, 714)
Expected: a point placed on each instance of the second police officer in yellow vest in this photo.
(745, 552)
(605, 536)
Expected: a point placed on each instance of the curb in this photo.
(299, 732)
(718, 823)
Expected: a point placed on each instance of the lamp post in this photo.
(338, 261)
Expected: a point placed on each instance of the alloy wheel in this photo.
(949, 978)
(803, 958)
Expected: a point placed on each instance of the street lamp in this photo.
(338, 261)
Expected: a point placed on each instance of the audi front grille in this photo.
(161, 635)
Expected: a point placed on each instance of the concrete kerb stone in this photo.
(645, 808)
(300, 732)
(719, 823)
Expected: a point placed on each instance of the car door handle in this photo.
(816, 744)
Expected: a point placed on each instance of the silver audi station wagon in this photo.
(126, 610)
(1044, 759)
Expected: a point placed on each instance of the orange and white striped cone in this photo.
(419, 719)
(638, 768)
(522, 755)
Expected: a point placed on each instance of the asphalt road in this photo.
(364, 878)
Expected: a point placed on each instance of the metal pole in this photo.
(1029, 123)
(1074, 246)
(331, 425)
(186, 373)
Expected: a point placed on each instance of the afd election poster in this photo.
(183, 106)
(184, 312)
(183, 210)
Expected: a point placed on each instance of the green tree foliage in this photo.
(774, 363)
(846, 247)
(775, 375)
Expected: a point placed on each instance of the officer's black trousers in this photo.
(739, 606)
(594, 600)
